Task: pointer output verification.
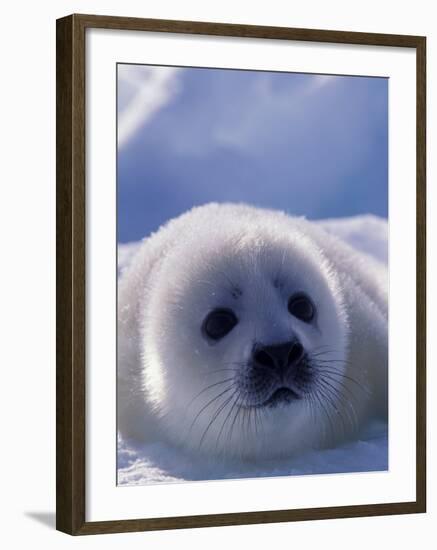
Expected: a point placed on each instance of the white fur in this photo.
(189, 267)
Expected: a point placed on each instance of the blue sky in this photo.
(311, 145)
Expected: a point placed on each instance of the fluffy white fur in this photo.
(171, 379)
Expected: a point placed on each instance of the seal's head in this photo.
(244, 339)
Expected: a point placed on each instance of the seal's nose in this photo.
(278, 356)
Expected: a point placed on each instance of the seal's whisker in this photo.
(324, 430)
(337, 396)
(317, 394)
(344, 399)
(227, 417)
(209, 403)
(220, 370)
(244, 420)
(258, 421)
(237, 363)
(332, 400)
(335, 361)
(249, 422)
(215, 416)
(354, 419)
(337, 380)
(236, 415)
(312, 402)
(334, 372)
(208, 388)
(352, 407)
(325, 351)
(252, 425)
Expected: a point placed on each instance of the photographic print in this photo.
(252, 314)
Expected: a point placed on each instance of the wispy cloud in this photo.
(147, 90)
(314, 145)
(267, 114)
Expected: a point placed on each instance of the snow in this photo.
(125, 253)
(159, 462)
(367, 233)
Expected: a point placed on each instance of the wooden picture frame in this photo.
(71, 284)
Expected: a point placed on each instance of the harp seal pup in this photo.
(247, 333)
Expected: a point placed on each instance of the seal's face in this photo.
(273, 373)
(245, 354)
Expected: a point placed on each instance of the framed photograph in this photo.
(240, 274)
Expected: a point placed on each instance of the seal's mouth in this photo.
(281, 396)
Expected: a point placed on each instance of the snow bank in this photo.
(367, 233)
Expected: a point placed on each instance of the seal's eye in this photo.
(218, 323)
(301, 307)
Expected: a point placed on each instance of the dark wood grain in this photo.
(71, 280)
(64, 447)
(421, 274)
(247, 518)
(247, 31)
(70, 276)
